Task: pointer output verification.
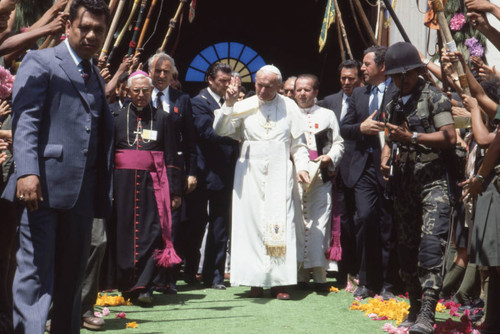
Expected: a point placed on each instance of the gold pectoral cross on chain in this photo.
(138, 132)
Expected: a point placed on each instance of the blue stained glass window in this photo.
(194, 75)
(247, 55)
(222, 49)
(209, 54)
(256, 64)
(200, 63)
(235, 50)
(240, 57)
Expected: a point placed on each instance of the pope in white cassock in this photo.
(314, 234)
(273, 154)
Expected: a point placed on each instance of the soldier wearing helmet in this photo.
(420, 125)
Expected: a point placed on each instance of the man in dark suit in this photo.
(178, 104)
(216, 161)
(63, 133)
(362, 129)
(350, 78)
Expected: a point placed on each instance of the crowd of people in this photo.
(122, 181)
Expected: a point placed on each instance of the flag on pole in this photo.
(431, 16)
(387, 22)
(327, 21)
(192, 9)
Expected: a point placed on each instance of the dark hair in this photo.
(379, 52)
(122, 78)
(96, 7)
(491, 87)
(216, 67)
(351, 63)
(243, 90)
(250, 93)
(314, 79)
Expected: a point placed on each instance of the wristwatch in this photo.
(426, 61)
(413, 139)
(479, 177)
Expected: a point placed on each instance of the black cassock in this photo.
(135, 231)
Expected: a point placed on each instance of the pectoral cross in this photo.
(268, 125)
(138, 131)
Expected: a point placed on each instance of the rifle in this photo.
(397, 118)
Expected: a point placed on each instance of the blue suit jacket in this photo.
(359, 144)
(51, 128)
(216, 155)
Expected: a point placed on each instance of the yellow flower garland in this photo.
(391, 309)
(107, 300)
(132, 324)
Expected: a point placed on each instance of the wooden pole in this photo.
(342, 28)
(172, 24)
(50, 41)
(112, 28)
(437, 5)
(380, 25)
(124, 29)
(341, 43)
(138, 24)
(356, 22)
(112, 6)
(365, 21)
(145, 26)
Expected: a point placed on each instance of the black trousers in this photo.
(212, 207)
(375, 235)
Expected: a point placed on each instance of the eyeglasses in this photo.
(144, 90)
(287, 91)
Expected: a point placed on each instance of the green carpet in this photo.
(202, 310)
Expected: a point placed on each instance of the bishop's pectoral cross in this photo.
(267, 125)
(139, 130)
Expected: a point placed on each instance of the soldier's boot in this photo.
(425, 319)
(411, 318)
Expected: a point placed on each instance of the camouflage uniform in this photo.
(421, 200)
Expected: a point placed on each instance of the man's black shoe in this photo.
(387, 294)
(475, 304)
(219, 287)
(145, 297)
(475, 316)
(303, 286)
(322, 287)
(362, 291)
(93, 323)
(190, 280)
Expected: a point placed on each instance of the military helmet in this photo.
(401, 57)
